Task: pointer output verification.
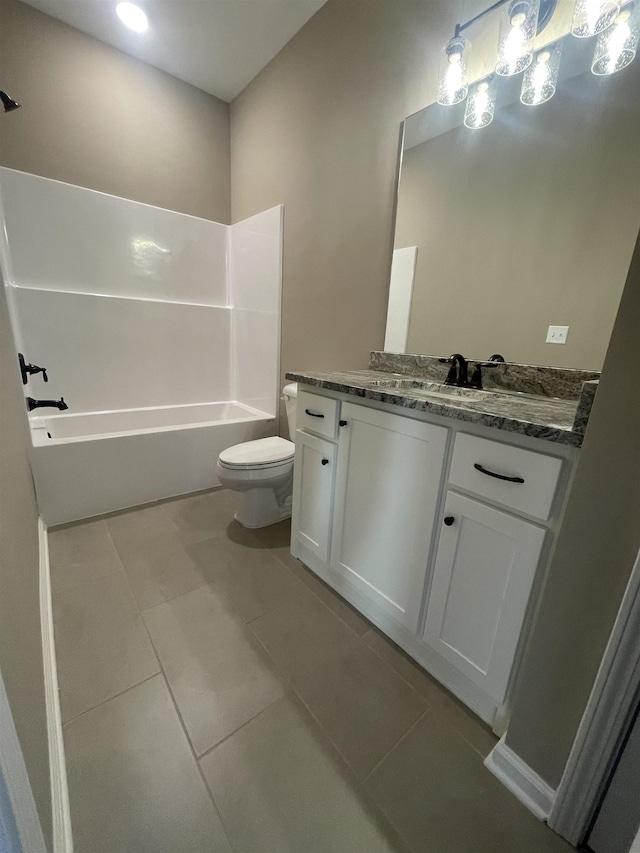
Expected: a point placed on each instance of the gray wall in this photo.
(95, 117)
(20, 635)
(596, 548)
(525, 224)
(318, 130)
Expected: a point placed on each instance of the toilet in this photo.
(263, 471)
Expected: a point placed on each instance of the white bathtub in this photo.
(89, 464)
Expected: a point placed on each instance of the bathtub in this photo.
(92, 463)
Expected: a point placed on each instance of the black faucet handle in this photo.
(476, 377)
(27, 370)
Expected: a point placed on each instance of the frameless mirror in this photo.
(527, 223)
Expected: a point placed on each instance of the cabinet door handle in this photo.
(482, 470)
(342, 423)
(325, 461)
(313, 414)
(449, 519)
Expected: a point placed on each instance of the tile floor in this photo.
(216, 696)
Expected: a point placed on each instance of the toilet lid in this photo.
(263, 451)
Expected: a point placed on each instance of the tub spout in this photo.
(46, 404)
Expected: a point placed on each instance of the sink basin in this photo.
(433, 389)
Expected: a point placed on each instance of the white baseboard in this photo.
(521, 780)
(61, 814)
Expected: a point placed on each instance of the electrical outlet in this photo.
(557, 334)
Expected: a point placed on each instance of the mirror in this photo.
(525, 224)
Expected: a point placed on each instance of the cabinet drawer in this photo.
(479, 466)
(317, 414)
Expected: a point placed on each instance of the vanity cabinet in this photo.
(430, 527)
(482, 577)
(389, 472)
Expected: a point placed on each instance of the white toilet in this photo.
(263, 471)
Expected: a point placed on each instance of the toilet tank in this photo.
(290, 400)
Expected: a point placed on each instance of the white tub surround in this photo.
(154, 326)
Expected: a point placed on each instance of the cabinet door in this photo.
(387, 487)
(483, 573)
(313, 476)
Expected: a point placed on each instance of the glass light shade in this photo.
(518, 27)
(541, 77)
(481, 104)
(453, 82)
(617, 46)
(591, 17)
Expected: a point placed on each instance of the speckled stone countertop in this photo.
(549, 418)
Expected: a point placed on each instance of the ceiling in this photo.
(217, 45)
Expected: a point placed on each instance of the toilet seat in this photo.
(272, 452)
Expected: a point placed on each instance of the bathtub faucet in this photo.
(46, 404)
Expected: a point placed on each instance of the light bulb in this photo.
(132, 16)
(517, 31)
(541, 77)
(591, 17)
(452, 82)
(617, 46)
(481, 105)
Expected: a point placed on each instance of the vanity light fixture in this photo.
(481, 104)
(591, 17)
(452, 80)
(518, 28)
(132, 16)
(541, 77)
(522, 20)
(617, 46)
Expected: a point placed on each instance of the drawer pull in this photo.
(482, 470)
(342, 423)
(449, 520)
(313, 414)
(325, 461)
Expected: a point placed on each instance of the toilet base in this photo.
(260, 508)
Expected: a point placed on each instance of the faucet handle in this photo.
(27, 370)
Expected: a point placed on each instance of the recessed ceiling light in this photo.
(132, 16)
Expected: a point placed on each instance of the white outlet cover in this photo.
(557, 334)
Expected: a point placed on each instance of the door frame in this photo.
(604, 723)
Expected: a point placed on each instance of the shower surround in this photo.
(160, 330)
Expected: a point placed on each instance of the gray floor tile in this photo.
(358, 623)
(81, 552)
(281, 788)
(102, 647)
(362, 704)
(201, 516)
(465, 722)
(276, 538)
(160, 568)
(435, 790)
(135, 527)
(301, 633)
(248, 575)
(134, 785)
(219, 675)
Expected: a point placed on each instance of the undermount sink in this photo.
(433, 389)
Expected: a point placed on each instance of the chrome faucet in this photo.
(46, 404)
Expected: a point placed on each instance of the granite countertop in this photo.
(548, 418)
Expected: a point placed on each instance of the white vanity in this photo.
(436, 528)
